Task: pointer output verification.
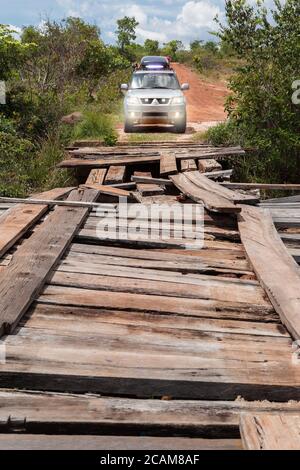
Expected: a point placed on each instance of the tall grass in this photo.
(96, 125)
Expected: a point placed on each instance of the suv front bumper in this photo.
(145, 114)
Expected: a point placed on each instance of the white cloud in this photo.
(147, 34)
(198, 14)
(138, 13)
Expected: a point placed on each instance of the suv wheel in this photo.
(180, 128)
(128, 127)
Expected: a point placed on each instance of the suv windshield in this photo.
(154, 80)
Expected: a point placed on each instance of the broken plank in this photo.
(24, 277)
(211, 200)
(205, 183)
(272, 264)
(270, 431)
(168, 164)
(19, 218)
(115, 175)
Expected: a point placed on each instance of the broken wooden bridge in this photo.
(146, 340)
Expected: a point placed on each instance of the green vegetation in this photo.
(65, 70)
(261, 112)
(50, 73)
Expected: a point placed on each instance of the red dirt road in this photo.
(205, 100)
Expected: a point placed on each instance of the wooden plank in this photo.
(96, 176)
(219, 174)
(282, 200)
(209, 165)
(115, 175)
(205, 183)
(211, 200)
(150, 180)
(19, 218)
(270, 431)
(24, 277)
(147, 189)
(266, 186)
(188, 165)
(107, 162)
(97, 443)
(168, 164)
(147, 417)
(217, 290)
(49, 316)
(149, 363)
(57, 295)
(108, 190)
(216, 153)
(272, 263)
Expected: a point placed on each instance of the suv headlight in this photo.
(132, 101)
(178, 100)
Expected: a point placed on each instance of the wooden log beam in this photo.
(276, 270)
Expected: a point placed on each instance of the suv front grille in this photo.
(155, 101)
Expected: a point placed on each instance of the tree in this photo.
(126, 32)
(151, 47)
(260, 105)
(211, 46)
(12, 52)
(171, 48)
(196, 45)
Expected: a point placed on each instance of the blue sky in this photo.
(159, 19)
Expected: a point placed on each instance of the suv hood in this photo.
(155, 93)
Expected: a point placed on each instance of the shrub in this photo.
(15, 159)
(260, 106)
(95, 125)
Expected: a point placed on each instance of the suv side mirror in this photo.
(185, 86)
(124, 87)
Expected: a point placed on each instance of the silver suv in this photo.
(155, 97)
